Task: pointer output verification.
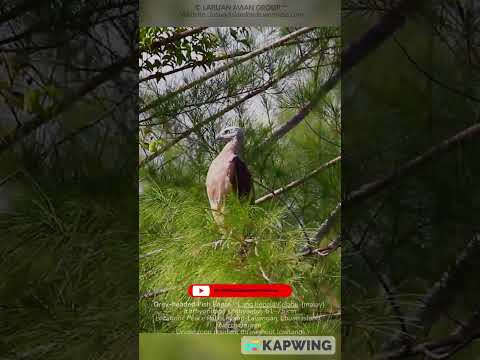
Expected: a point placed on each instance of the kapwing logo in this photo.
(306, 345)
(251, 346)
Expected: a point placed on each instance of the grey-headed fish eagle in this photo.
(228, 173)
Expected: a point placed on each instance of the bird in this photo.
(228, 173)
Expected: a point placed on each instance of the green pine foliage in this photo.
(67, 250)
(262, 243)
(177, 229)
(177, 233)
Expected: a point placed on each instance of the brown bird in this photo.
(228, 173)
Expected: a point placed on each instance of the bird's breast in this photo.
(217, 182)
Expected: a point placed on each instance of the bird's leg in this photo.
(218, 216)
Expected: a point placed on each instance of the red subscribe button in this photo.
(239, 290)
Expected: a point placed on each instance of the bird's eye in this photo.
(227, 131)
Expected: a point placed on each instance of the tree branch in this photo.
(225, 67)
(212, 118)
(159, 75)
(178, 36)
(56, 109)
(355, 53)
(441, 348)
(298, 182)
(374, 187)
(441, 293)
(328, 223)
(327, 250)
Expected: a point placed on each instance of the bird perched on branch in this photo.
(228, 173)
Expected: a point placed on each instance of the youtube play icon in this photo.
(240, 290)
(200, 291)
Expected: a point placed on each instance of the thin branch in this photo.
(323, 230)
(327, 250)
(303, 113)
(56, 109)
(87, 126)
(159, 75)
(374, 187)
(264, 275)
(177, 36)
(331, 316)
(289, 207)
(328, 223)
(151, 253)
(225, 67)
(441, 348)
(227, 109)
(201, 124)
(355, 53)
(10, 177)
(431, 78)
(442, 290)
(441, 293)
(298, 182)
(386, 284)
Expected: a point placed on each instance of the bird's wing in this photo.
(240, 177)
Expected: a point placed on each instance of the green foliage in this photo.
(196, 50)
(260, 243)
(414, 232)
(62, 255)
(178, 231)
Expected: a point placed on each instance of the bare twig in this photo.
(374, 187)
(330, 248)
(10, 177)
(431, 77)
(328, 223)
(264, 275)
(151, 253)
(331, 316)
(178, 36)
(289, 207)
(441, 293)
(225, 67)
(298, 182)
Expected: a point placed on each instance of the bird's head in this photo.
(230, 133)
